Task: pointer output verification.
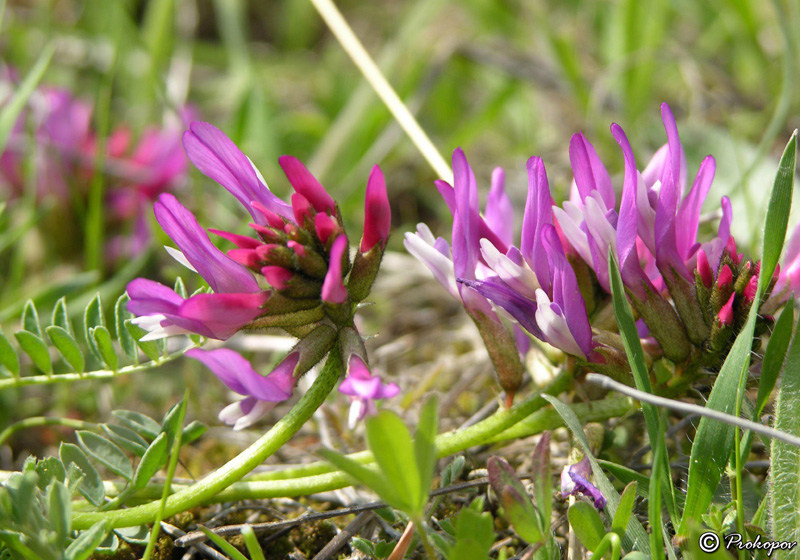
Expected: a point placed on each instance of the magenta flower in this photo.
(333, 288)
(294, 273)
(466, 262)
(261, 393)
(364, 389)
(691, 295)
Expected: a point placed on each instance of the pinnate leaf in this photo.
(67, 346)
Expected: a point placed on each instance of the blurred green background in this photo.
(505, 80)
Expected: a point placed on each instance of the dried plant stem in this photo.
(356, 51)
(688, 408)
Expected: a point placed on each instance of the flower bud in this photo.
(725, 315)
(377, 213)
(704, 269)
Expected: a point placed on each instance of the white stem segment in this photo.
(350, 43)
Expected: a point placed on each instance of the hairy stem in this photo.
(98, 374)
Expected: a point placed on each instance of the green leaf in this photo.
(363, 545)
(785, 458)
(67, 346)
(714, 440)
(390, 442)
(150, 348)
(105, 347)
(180, 288)
(59, 509)
(92, 485)
(154, 458)
(375, 481)
(8, 357)
(251, 542)
(224, 545)
(87, 541)
(641, 374)
(425, 446)
(61, 316)
(139, 423)
(586, 523)
(474, 535)
(35, 347)
(774, 358)
(30, 319)
(542, 479)
(134, 535)
(626, 476)
(93, 317)
(12, 110)
(626, 502)
(105, 453)
(126, 341)
(635, 533)
(777, 219)
(50, 469)
(126, 438)
(193, 431)
(169, 425)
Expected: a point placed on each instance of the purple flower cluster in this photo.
(65, 153)
(692, 297)
(294, 273)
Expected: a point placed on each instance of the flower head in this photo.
(691, 295)
(294, 273)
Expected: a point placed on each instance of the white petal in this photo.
(554, 326)
(599, 227)
(180, 257)
(519, 278)
(437, 263)
(356, 407)
(571, 227)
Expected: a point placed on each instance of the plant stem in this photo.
(98, 374)
(424, 538)
(37, 421)
(356, 51)
(173, 464)
(318, 477)
(235, 469)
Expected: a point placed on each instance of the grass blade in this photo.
(11, 112)
(635, 536)
(714, 440)
(785, 458)
(641, 376)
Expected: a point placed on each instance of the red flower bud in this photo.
(704, 269)
(277, 276)
(725, 277)
(377, 213)
(272, 218)
(725, 314)
(301, 208)
(325, 226)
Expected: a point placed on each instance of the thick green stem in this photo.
(235, 469)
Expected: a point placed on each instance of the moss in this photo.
(312, 537)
